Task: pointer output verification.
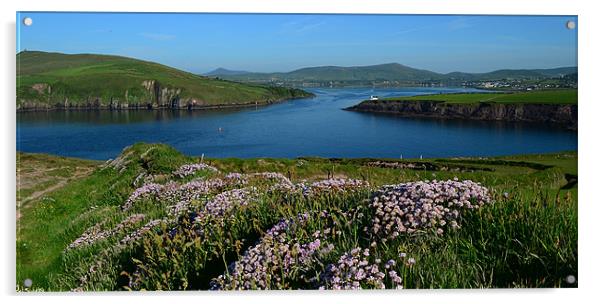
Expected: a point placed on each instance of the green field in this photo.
(568, 96)
(54, 78)
(525, 237)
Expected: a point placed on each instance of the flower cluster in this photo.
(273, 176)
(270, 263)
(194, 190)
(285, 188)
(407, 207)
(96, 234)
(178, 208)
(136, 235)
(190, 169)
(225, 202)
(174, 193)
(334, 185)
(142, 192)
(319, 187)
(354, 271)
(235, 178)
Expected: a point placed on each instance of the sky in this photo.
(199, 43)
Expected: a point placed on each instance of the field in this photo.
(568, 96)
(154, 219)
(55, 78)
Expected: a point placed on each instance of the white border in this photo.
(589, 143)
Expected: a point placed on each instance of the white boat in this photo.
(373, 97)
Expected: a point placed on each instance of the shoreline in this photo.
(154, 107)
(564, 115)
(333, 159)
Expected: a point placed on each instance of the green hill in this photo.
(388, 72)
(375, 72)
(515, 74)
(55, 80)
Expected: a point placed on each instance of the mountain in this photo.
(392, 72)
(56, 80)
(222, 71)
(389, 71)
(375, 72)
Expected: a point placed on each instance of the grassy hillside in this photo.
(533, 97)
(156, 219)
(50, 79)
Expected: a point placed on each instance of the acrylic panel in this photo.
(196, 151)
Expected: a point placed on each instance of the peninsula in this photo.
(47, 81)
(555, 106)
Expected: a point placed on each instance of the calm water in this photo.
(308, 127)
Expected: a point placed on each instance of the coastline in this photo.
(154, 106)
(560, 114)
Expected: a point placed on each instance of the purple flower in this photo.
(190, 169)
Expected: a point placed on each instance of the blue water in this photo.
(307, 127)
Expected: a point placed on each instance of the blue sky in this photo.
(271, 43)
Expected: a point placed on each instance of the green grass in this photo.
(82, 77)
(37, 173)
(527, 238)
(568, 96)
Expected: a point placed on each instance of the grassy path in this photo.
(24, 202)
(38, 175)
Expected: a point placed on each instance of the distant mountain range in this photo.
(384, 72)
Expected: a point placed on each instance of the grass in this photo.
(527, 238)
(85, 77)
(568, 96)
(37, 173)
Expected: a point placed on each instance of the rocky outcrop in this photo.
(151, 95)
(565, 115)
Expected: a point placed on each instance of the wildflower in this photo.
(266, 265)
(190, 169)
(144, 191)
(95, 234)
(408, 207)
(354, 270)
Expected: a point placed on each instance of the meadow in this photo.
(155, 219)
(567, 96)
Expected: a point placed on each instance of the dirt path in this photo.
(81, 172)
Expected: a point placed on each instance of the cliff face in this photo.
(549, 113)
(150, 95)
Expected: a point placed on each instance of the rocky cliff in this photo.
(150, 95)
(565, 115)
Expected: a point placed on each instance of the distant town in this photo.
(565, 82)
